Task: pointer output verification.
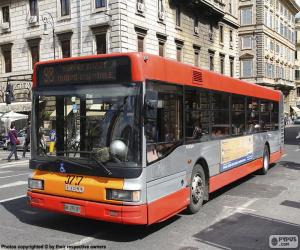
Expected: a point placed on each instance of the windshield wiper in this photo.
(91, 156)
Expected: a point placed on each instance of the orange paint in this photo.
(94, 187)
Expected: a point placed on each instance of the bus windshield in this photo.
(88, 124)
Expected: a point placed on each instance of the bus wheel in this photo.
(266, 162)
(197, 187)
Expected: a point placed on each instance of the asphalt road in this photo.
(241, 216)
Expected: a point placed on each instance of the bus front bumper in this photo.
(100, 211)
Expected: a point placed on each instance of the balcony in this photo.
(207, 8)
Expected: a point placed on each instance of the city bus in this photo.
(135, 138)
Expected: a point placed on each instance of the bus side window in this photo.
(163, 126)
(238, 114)
(196, 114)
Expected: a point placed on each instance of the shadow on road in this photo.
(290, 165)
(243, 229)
(81, 226)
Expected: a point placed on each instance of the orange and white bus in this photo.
(135, 138)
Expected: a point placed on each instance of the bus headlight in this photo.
(123, 195)
(35, 184)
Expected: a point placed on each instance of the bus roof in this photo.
(152, 67)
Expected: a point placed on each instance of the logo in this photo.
(62, 168)
(283, 241)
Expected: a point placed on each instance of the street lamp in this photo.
(48, 19)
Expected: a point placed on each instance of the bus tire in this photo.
(266, 161)
(197, 189)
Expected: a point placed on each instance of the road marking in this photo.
(13, 184)
(2, 172)
(284, 155)
(298, 149)
(12, 198)
(2, 177)
(11, 165)
(228, 210)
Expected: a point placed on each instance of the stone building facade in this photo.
(267, 45)
(203, 33)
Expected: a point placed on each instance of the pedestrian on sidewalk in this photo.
(13, 138)
(27, 138)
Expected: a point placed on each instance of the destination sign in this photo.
(116, 69)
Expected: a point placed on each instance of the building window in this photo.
(65, 43)
(34, 47)
(178, 16)
(33, 7)
(179, 53)
(161, 44)
(196, 55)
(161, 48)
(222, 64)
(179, 48)
(246, 42)
(100, 43)
(211, 32)
(160, 8)
(66, 48)
(100, 3)
(246, 16)
(221, 35)
(298, 92)
(211, 61)
(140, 43)
(65, 7)
(196, 24)
(247, 67)
(6, 53)
(231, 64)
(141, 34)
(5, 14)
(230, 6)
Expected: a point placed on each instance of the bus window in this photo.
(238, 115)
(274, 108)
(252, 115)
(265, 116)
(163, 123)
(196, 114)
(220, 115)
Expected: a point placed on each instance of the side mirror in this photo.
(118, 149)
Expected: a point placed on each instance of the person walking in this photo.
(12, 134)
(27, 139)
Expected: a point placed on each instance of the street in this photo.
(242, 215)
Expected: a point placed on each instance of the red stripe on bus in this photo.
(218, 181)
(166, 207)
(93, 210)
(275, 156)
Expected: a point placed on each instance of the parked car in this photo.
(21, 137)
(297, 120)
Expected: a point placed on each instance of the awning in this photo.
(296, 109)
(16, 107)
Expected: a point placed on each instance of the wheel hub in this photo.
(197, 189)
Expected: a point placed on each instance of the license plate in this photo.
(72, 208)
